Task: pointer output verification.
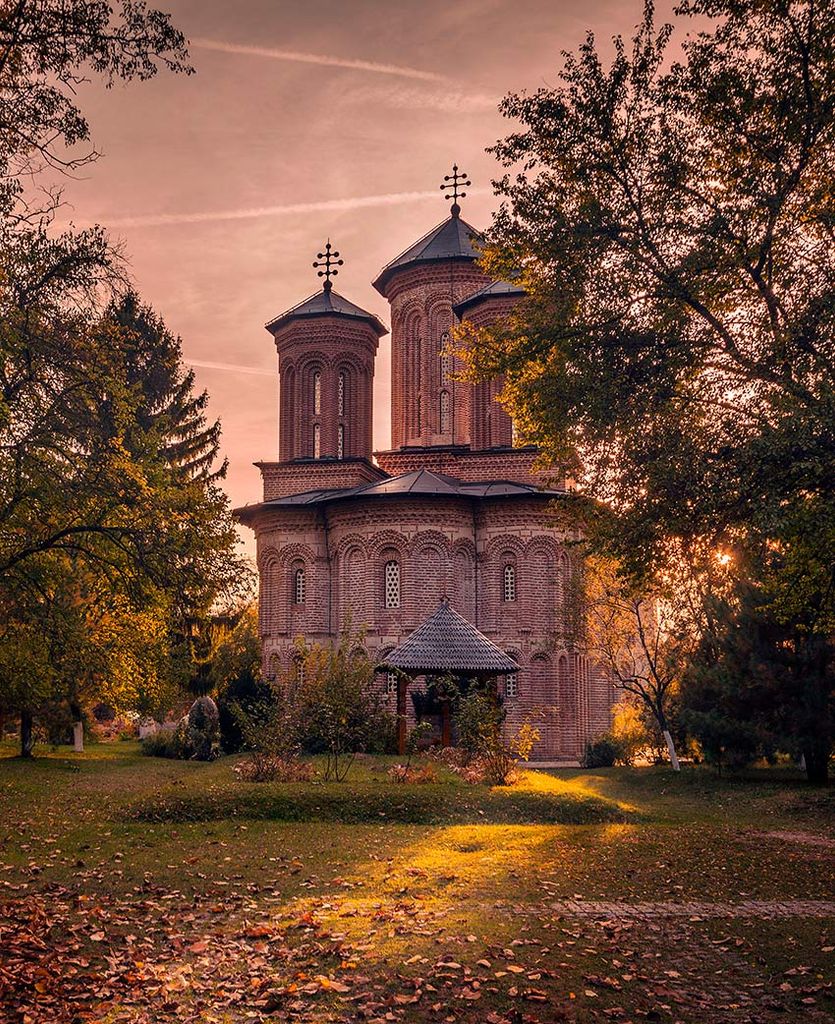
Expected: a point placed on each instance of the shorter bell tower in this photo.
(326, 350)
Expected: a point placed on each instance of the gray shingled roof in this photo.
(446, 642)
(327, 302)
(420, 483)
(450, 240)
(496, 290)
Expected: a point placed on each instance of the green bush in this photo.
(604, 752)
(248, 693)
(164, 743)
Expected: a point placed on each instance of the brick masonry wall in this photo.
(422, 297)
(332, 346)
(444, 546)
(517, 464)
(283, 478)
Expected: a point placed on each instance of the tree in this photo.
(641, 638)
(48, 48)
(673, 226)
(107, 462)
(759, 684)
(339, 708)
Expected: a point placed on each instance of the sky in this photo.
(305, 121)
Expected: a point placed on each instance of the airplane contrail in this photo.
(231, 367)
(301, 57)
(247, 213)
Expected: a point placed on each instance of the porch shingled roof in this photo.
(446, 642)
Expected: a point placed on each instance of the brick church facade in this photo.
(452, 509)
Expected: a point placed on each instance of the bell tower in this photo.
(430, 406)
(326, 350)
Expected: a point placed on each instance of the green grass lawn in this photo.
(137, 889)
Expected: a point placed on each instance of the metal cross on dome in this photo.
(454, 182)
(330, 261)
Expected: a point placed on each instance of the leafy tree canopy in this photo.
(673, 216)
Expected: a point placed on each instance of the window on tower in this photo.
(340, 394)
(298, 586)
(509, 583)
(446, 360)
(340, 442)
(443, 412)
(317, 441)
(317, 393)
(392, 584)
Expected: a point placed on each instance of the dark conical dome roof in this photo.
(452, 239)
(326, 302)
(446, 642)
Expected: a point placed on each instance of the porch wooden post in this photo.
(401, 715)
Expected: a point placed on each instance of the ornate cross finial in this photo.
(328, 260)
(454, 181)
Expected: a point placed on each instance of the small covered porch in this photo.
(446, 644)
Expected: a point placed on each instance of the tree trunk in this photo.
(27, 734)
(78, 737)
(817, 763)
(671, 749)
(401, 716)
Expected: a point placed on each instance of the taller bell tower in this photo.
(429, 406)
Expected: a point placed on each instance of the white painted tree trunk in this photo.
(78, 737)
(671, 749)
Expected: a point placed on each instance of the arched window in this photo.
(443, 417)
(445, 359)
(509, 583)
(317, 393)
(317, 441)
(340, 394)
(340, 442)
(298, 586)
(392, 584)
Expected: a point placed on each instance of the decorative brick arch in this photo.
(291, 616)
(544, 696)
(269, 591)
(352, 575)
(539, 576)
(430, 564)
(382, 547)
(463, 585)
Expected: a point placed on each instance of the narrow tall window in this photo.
(443, 417)
(446, 362)
(298, 586)
(299, 670)
(509, 587)
(340, 394)
(511, 686)
(317, 393)
(317, 441)
(392, 584)
(391, 684)
(419, 416)
(340, 442)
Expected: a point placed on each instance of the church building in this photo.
(454, 509)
